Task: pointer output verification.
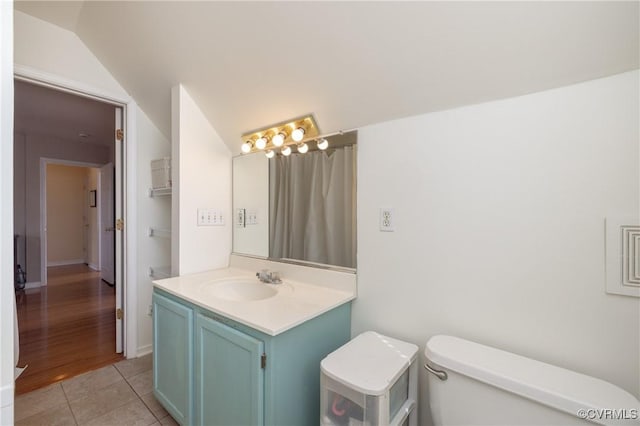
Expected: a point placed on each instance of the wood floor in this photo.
(66, 328)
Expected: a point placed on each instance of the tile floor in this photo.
(119, 394)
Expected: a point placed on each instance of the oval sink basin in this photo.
(241, 290)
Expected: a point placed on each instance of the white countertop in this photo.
(294, 303)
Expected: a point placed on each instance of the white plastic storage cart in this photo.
(372, 380)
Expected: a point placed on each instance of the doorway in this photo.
(56, 128)
(71, 214)
(78, 215)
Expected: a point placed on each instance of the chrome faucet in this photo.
(267, 277)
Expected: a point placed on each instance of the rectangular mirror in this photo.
(299, 208)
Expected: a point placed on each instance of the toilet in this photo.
(473, 384)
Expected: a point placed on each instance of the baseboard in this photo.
(65, 262)
(6, 415)
(6, 396)
(34, 284)
(144, 350)
(92, 266)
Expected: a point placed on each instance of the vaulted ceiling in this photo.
(252, 64)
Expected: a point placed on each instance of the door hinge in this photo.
(119, 134)
(263, 361)
(119, 314)
(119, 224)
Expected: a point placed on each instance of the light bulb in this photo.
(323, 144)
(269, 153)
(302, 148)
(261, 143)
(278, 139)
(246, 147)
(297, 134)
(286, 150)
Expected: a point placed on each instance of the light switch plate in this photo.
(210, 217)
(240, 218)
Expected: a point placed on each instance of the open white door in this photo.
(107, 224)
(119, 225)
(112, 227)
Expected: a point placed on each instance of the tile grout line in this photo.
(152, 413)
(114, 408)
(118, 370)
(132, 389)
(20, 417)
(158, 419)
(66, 397)
(139, 397)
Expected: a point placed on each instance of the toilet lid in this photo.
(548, 384)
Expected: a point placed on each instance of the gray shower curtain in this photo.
(312, 207)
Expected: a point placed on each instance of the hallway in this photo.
(66, 328)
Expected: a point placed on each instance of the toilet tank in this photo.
(488, 386)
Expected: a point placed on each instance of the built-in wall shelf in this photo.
(160, 272)
(159, 232)
(159, 192)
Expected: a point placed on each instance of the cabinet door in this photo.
(173, 357)
(229, 376)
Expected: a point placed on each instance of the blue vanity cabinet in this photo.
(173, 357)
(242, 376)
(229, 375)
(292, 373)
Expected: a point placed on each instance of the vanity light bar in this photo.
(320, 141)
(281, 137)
(292, 132)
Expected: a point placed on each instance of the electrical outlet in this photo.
(386, 219)
(252, 217)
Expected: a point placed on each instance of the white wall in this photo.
(201, 174)
(45, 47)
(7, 298)
(59, 55)
(499, 219)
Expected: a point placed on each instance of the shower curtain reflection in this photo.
(320, 187)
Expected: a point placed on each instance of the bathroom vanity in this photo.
(231, 350)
